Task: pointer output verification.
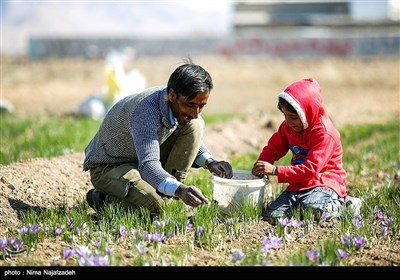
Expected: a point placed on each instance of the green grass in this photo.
(37, 136)
(369, 151)
(221, 118)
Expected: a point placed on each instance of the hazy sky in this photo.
(166, 19)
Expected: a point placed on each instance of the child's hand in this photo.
(262, 168)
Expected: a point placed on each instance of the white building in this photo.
(257, 16)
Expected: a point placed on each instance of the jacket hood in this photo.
(306, 98)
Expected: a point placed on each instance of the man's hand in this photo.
(220, 168)
(191, 195)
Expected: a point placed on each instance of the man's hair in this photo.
(189, 79)
(283, 103)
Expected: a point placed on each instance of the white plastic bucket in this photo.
(242, 188)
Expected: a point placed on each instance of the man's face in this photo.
(184, 110)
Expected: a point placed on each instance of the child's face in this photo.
(292, 120)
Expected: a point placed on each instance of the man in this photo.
(147, 143)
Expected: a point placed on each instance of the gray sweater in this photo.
(133, 131)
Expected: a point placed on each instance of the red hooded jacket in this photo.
(317, 149)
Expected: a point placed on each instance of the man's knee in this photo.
(195, 127)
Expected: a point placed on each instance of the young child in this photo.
(316, 178)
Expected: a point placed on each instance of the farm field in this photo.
(356, 92)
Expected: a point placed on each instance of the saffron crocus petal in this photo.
(359, 242)
(99, 261)
(342, 253)
(346, 240)
(109, 251)
(18, 244)
(200, 230)
(58, 231)
(23, 230)
(237, 254)
(3, 242)
(34, 229)
(68, 253)
(141, 248)
(313, 255)
(122, 231)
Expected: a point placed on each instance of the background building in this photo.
(271, 28)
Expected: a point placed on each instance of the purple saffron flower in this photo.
(387, 222)
(346, 240)
(313, 255)
(122, 231)
(83, 251)
(81, 261)
(158, 237)
(378, 213)
(237, 255)
(77, 230)
(58, 231)
(342, 253)
(384, 231)
(265, 262)
(359, 242)
(96, 243)
(68, 253)
(271, 242)
(265, 245)
(294, 223)
(18, 244)
(109, 251)
(11, 240)
(146, 236)
(34, 229)
(99, 261)
(200, 231)
(3, 242)
(285, 222)
(324, 216)
(357, 221)
(23, 230)
(170, 234)
(265, 248)
(189, 226)
(276, 242)
(141, 248)
(159, 224)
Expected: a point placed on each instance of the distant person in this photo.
(316, 177)
(147, 143)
